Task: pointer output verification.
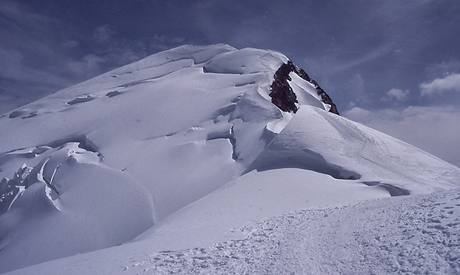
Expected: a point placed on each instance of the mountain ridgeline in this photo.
(182, 150)
(284, 97)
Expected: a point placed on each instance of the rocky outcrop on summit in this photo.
(281, 93)
(284, 97)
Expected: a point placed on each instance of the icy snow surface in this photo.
(404, 235)
(184, 149)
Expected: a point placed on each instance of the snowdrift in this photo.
(159, 144)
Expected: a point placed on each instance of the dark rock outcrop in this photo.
(284, 97)
(281, 93)
(325, 98)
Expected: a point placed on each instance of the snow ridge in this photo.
(187, 142)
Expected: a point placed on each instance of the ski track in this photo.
(416, 235)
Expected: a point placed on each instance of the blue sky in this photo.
(393, 65)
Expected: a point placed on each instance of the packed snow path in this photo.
(399, 235)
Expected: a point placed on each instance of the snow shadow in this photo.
(82, 140)
(113, 93)
(225, 134)
(225, 110)
(80, 99)
(303, 159)
(24, 114)
(34, 151)
(392, 189)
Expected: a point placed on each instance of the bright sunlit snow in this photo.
(184, 150)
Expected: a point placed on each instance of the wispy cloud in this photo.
(39, 55)
(103, 34)
(372, 55)
(17, 14)
(27, 55)
(397, 95)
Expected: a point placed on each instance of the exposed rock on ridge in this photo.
(284, 97)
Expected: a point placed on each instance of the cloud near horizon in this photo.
(434, 129)
(450, 83)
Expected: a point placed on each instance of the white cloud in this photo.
(357, 113)
(433, 129)
(450, 83)
(396, 95)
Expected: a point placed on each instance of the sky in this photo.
(392, 65)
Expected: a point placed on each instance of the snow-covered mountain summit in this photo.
(192, 141)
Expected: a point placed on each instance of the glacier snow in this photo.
(182, 150)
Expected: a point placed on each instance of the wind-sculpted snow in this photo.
(60, 203)
(169, 125)
(97, 164)
(35, 167)
(245, 61)
(346, 149)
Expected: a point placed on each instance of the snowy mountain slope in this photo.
(252, 197)
(131, 147)
(404, 235)
(348, 150)
(407, 235)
